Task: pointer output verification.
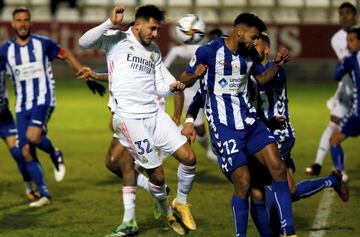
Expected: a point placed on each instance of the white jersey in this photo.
(339, 45)
(136, 72)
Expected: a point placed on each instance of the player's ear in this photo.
(137, 25)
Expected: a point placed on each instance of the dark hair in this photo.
(21, 9)
(149, 11)
(216, 32)
(348, 5)
(251, 20)
(355, 30)
(264, 37)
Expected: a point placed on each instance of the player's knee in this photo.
(113, 166)
(26, 153)
(33, 138)
(189, 158)
(256, 195)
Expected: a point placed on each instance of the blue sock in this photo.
(47, 146)
(309, 187)
(283, 204)
(240, 209)
(260, 216)
(337, 156)
(37, 176)
(21, 164)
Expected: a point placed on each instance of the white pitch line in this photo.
(322, 215)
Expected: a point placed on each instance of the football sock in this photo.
(21, 164)
(283, 204)
(337, 156)
(142, 181)
(37, 176)
(202, 140)
(159, 193)
(186, 176)
(129, 196)
(309, 187)
(28, 186)
(260, 216)
(240, 210)
(324, 145)
(273, 213)
(46, 145)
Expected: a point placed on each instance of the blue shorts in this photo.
(285, 152)
(350, 126)
(38, 116)
(7, 124)
(233, 147)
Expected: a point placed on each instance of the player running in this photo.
(28, 61)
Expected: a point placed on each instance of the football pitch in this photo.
(89, 201)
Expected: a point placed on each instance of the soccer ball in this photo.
(190, 29)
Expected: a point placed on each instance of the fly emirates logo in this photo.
(141, 64)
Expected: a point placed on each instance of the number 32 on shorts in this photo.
(143, 146)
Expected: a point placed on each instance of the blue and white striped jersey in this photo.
(275, 101)
(30, 69)
(225, 84)
(3, 93)
(351, 65)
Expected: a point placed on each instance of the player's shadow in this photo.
(205, 176)
(24, 218)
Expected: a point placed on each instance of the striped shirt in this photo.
(351, 65)
(3, 93)
(30, 69)
(275, 101)
(225, 84)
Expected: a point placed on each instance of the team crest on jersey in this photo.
(152, 56)
(192, 61)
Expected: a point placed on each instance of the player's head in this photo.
(347, 15)
(353, 40)
(21, 22)
(248, 28)
(147, 24)
(262, 46)
(214, 34)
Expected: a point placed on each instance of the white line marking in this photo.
(322, 215)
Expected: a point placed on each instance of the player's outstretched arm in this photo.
(281, 58)
(189, 79)
(72, 61)
(87, 73)
(93, 37)
(178, 107)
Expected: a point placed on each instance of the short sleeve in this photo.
(52, 49)
(201, 57)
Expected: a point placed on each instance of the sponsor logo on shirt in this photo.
(223, 83)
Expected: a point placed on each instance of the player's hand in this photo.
(282, 57)
(86, 73)
(117, 15)
(277, 122)
(200, 71)
(96, 87)
(176, 87)
(189, 131)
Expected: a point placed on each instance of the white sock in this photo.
(186, 176)
(129, 196)
(142, 182)
(202, 140)
(159, 193)
(28, 186)
(324, 145)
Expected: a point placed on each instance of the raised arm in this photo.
(93, 37)
(281, 58)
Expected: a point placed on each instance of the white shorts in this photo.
(143, 136)
(189, 94)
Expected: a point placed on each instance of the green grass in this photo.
(89, 202)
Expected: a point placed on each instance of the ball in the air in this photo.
(190, 29)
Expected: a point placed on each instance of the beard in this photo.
(23, 37)
(249, 51)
